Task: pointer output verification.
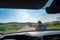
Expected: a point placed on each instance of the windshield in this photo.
(18, 20)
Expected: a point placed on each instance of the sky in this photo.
(25, 15)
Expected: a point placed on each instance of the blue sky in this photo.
(24, 15)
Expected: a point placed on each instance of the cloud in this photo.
(34, 16)
(56, 16)
(25, 16)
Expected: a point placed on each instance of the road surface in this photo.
(26, 28)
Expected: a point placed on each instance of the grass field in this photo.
(7, 28)
(50, 26)
(53, 27)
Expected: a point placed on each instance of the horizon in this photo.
(25, 22)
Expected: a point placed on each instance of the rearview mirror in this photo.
(54, 8)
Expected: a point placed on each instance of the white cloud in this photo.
(55, 16)
(24, 16)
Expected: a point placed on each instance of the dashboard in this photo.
(38, 35)
(20, 37)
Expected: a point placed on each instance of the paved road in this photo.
(26, 28)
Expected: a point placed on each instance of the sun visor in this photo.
(22, 4)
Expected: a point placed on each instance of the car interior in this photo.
(53, 8)
(52, 37)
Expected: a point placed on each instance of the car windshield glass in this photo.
(18, 20)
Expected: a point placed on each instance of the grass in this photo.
(49, 26)
(53, 27)
(7, 28)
